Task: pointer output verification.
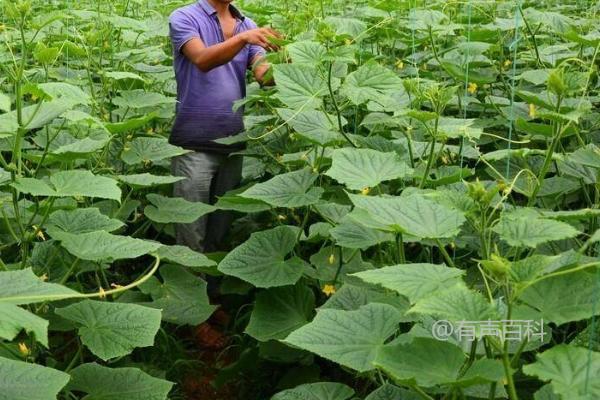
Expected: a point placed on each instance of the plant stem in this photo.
(445, 254)
(431, 153)
(335, 106)
(421, 393)
(512, 391)
(400, 248)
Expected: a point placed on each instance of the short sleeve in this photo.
(181, 29)
(254, 50)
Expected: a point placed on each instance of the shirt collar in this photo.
(210, 10)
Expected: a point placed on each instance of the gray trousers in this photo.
(208, 176)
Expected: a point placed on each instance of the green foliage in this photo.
(414, 163)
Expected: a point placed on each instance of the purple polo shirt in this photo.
(205, 99)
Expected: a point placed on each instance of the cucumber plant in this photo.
(418, 220)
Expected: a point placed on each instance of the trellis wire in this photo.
(513, 46)
(467, 61)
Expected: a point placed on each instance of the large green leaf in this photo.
(13, 319)
(588, 156)
(349, 338)
(350, 297)
(38, 116)
(141, 99)
(477, 75)
(279, 311)
(104, 246)
(5, 102)
(112, 330)
(81, 220)
(429, 362)
(457, 303)
(391, 392)
(572, 371)
(306, 52)
(300, 87)
(167, 210)
(27, 381)
(104, 383)
(313, 125)
(415, 215)
(575, 299)
(365, 168)
(146, 149)
(414, 281)
(181, 296)
(261, 260)
(185, 256)
(65, 91)
(459, 127)
(531, 232)
(316, 391)
(24, 287)
(130, 124)
(72, 183)
(369, 82)
(148, 180)
(345, 26)
(351, 234)
(292, 189)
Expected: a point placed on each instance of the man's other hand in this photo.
(261, 37)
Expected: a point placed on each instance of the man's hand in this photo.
(261, 37)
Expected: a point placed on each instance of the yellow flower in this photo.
(532, 110)
(24, 350)
(331, 259)
(328, 290)
(472, 88)
(281, 217)
(365, 191)
(507, 63)
(399, 64)
(38, 233)
(101, 293)
(347, 42)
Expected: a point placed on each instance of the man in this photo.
(213, 45)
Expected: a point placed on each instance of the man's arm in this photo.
(207, 58)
